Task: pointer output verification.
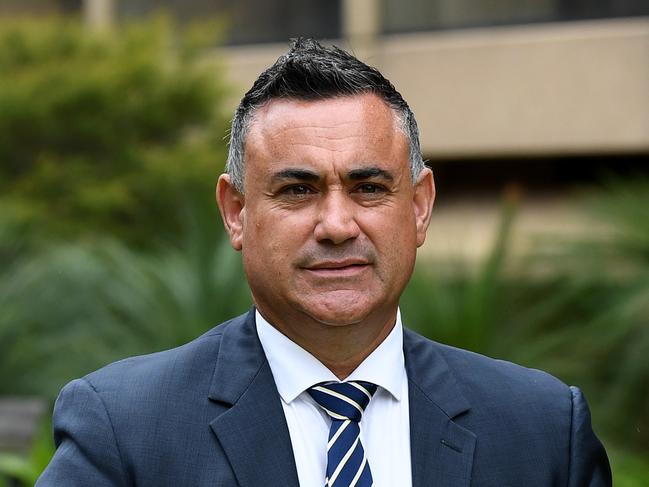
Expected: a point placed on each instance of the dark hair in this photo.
(310, 71)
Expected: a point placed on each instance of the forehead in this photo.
(331, 128)
(327, 110)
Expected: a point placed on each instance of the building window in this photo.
(420, 15)
(250, 21)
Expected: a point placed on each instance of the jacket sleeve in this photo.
(87, 452)
(589, 465)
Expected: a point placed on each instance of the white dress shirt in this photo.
(385, 425)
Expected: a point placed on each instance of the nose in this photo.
(336, 219)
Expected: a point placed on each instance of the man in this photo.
(327, 198)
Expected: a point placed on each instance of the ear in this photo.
(422, 201)
(231, 205)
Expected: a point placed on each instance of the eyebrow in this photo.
(369, 172)
(299, 174)
(295, 173)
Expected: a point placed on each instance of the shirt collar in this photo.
(295, 370)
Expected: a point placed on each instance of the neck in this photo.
(343, 360)
(340, 348)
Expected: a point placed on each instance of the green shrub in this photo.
(72, 308)
(461, 306)
(105, 133)
(629, 469)
(599, 336)
(27, 468)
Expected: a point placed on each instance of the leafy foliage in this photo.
(629, 469)
(104, 133)
(27, 469)
(76, 307)
(602, 342)
(462, 307)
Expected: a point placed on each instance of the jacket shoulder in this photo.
(521, 418)
(493, 386)
(492, 376)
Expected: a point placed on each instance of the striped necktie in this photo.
(345, 402)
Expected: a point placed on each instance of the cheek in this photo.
(274, 240)
(391, 231)
(287, 229)
(395, 238)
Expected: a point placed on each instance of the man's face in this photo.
(329, 221)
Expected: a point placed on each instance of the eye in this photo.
(369, 188)
(297, 190)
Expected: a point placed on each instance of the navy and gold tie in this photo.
(345, 403)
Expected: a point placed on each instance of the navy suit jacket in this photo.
(208, 414)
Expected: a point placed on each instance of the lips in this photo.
(337, 269)
(338, 264)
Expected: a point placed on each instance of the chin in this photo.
(337, 321)
(341, 311)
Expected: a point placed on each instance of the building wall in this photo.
(546, 89)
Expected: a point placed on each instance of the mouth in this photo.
(349, 267)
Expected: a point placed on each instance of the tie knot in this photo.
(343, 400)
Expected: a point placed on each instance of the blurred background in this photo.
(534, 115)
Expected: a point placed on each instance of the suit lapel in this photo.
(253, 431)
(441, 450)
